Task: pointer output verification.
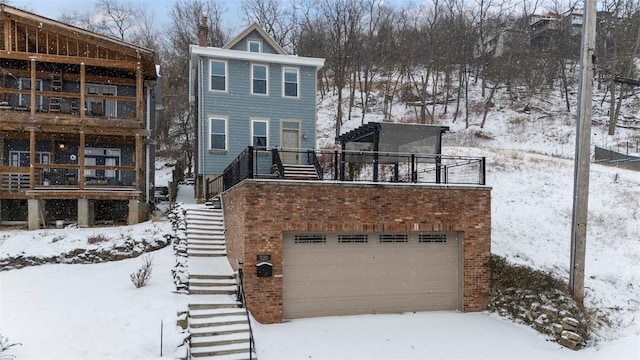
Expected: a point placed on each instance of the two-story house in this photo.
(76, 119)
(250, 92)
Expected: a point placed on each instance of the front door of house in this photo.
(290, 142)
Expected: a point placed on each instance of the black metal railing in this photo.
(276, 162)
(354, 166)
(242, 299)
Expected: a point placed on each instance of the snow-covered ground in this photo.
(90, 311)
(94, 312)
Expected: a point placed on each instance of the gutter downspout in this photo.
(199, 117)
(148, 149)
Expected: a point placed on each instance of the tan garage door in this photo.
(327, 274)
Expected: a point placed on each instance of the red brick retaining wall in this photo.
(258, 211)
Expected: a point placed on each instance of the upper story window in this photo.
(217, 134)
(254, 46)
(290, 81)
(259, 133)
(218, 72)
(259, 76)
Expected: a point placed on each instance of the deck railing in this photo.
(353, 166)
(58, 176)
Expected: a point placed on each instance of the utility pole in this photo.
(583, 154)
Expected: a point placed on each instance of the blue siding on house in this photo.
(239, 106)
(254, 35)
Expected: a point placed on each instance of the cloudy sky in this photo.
(54, 8)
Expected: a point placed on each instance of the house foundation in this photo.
(134, 212)
(86, 212)
(36, 213)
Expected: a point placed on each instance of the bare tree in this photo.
(276, 17)
(145, 33)
(177, 120)
(618, 36)
(340, 20)
(119, 17)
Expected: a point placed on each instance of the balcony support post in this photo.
(32, 158)
(81, 179)
(82, 105)
(33, 87)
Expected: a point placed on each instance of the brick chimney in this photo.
(203, 31)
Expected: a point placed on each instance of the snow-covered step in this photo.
(201, 233)
(204, 218)
(242, 348)
(215, 290)
(199, 242)
(211, 282)
(209, 228)
(206, 230)
(211, 323)
(217, 340)
(206, 253)
(205, 213)
(209, 276)
(209, 313)
(203, 302)
(220, 330)
(212, 246)
(238, 356)
(208, 240)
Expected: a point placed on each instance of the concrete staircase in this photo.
(219, 327)
(300, 172)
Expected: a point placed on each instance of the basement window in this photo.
(394, 238)
(432, 238)
(353, 238)
(310, 238)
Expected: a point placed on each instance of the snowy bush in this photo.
(5, 345)
(139, 278)
(96, 239)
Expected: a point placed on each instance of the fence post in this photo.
(250, 162)
(483, 172)
(414, 175)
(335, 165)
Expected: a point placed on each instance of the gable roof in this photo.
(100, 47)
(262, 33)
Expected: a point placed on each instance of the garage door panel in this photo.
(334, 278)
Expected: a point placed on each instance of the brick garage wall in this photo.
(257, 212)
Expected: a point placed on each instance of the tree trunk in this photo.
(565, 86)
(612, 108)
(459, 92)
(466, 100)
(486, 105)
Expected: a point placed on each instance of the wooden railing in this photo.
(50, 176)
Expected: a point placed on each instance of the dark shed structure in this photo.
(377, 143)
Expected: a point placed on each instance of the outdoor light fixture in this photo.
(61, 146)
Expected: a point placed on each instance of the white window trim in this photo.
(266, 121)
(15, 162)
(267, 79)
(226, 133)
(284, 69)
(226, 75)
(254, 41)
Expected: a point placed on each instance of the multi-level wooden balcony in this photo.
(74, 112)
